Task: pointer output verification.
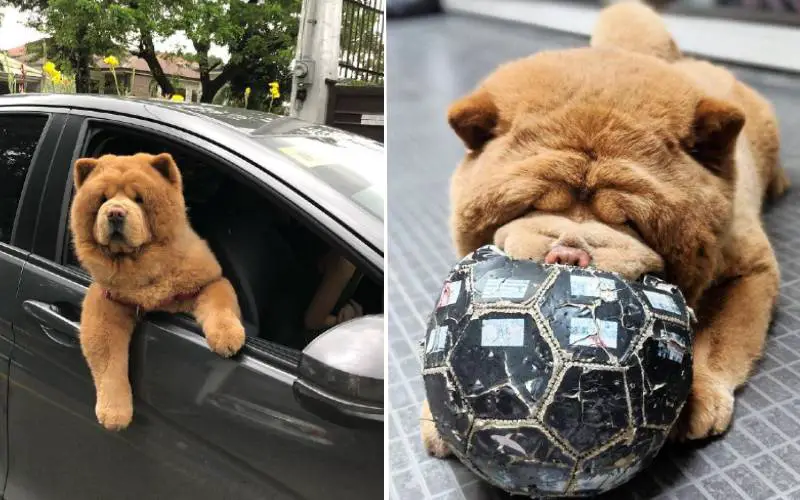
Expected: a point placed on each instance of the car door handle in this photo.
(55, 325)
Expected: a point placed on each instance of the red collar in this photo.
(180, 297)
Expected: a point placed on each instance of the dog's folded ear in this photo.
(716, 127)
(167, 167)
(83, 167)
(473, 118)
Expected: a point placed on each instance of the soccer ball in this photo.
(549, 380)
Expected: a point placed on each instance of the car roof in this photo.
(244, 132)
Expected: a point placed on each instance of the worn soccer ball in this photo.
(548, 380)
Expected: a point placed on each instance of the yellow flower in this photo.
(176, 98)
(111, 61)
(274, 90)
(247, 92)
(49, 68)
(57, 77)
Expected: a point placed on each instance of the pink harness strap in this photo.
(180, 297)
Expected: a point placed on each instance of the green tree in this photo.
(260, 37)
(257, 34)
(77, 30)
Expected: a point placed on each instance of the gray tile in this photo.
(690, 492)
(752, 398)
(409, 420)
(401, 348)
(408, 486)
(720, 453)
(787, 377)
(790, 456)
(719, 488)
(454, 494)
(694, 465)
(400, 396)
(780, 477)
(761, 432)
(740, 443)
(437, 476)
(770, 388)
(754, 487)
(783, 422)
(398, 456)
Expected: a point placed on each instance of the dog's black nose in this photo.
(116, 216)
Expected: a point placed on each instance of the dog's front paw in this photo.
(431, 439)
(114, 416)
(224, 334)
(709, 410)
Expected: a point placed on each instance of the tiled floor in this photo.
(432, 61)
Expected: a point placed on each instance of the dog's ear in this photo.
(83, 167)
(166, 166)
(716, 127)
(473, 118)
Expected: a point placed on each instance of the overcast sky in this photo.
(14, 33)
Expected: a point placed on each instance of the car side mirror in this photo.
(341, 373)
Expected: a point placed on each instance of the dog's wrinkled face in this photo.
(123, 203)
(596, 157)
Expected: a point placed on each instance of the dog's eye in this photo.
(632, 226)
(138, 199)
(103, 199)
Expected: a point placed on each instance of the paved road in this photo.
(432, 61)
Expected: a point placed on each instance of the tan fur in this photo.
(158, 258)
(647, 161)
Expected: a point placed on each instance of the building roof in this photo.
(11, 65)
(172, 65)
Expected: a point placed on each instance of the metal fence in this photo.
(361, 46)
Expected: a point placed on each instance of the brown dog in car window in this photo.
(131, 233)
(631, 158)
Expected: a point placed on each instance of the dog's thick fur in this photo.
(151, 261)
(650, 162)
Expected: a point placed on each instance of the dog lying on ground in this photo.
(131, 233)
(627, 156)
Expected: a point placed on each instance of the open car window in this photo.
(272, 260)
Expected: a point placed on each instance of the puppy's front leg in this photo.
(106, 329)
(735, 317)
(217, 311)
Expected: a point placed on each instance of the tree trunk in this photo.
(213, 86)
(209, 87)
(201, 48)
(147, 51)
(81, 61)
(83, 77)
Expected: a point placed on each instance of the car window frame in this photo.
(272, 353)
(23, 228)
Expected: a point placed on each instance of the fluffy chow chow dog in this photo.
(131, 233)
(631, 158)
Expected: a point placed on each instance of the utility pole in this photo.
(317, 58)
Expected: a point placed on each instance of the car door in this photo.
(204, 427)
(27, 141)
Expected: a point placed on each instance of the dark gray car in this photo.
(293, 416)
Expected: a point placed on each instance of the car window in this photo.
(19, 136)
(275, 262)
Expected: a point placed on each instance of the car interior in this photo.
(271, 258)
